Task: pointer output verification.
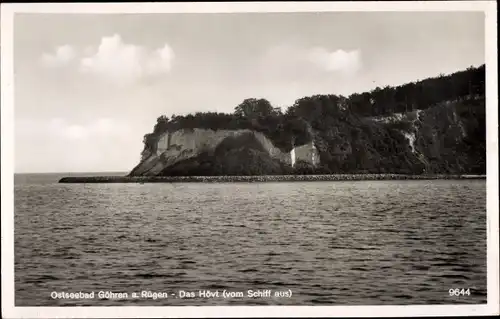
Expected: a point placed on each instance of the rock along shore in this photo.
(258, 179)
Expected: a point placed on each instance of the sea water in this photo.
(307, 243)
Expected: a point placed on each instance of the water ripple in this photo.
(347, 243)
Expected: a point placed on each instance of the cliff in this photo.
(448, 138)
(435, 126)
(209, 152)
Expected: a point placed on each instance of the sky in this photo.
(87, 88)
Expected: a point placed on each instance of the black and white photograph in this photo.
(220, 157)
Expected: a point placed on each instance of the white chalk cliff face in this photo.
(184, 144)
(174, 147)
(305, 153)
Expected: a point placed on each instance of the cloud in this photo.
(62, 56)
(122, 63)
(347, 62)
(75, 145)
(59, 128)
(295, 62)
(98, 128)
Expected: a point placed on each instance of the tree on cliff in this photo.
(161, 124)
(254, 108)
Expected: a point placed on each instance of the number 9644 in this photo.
(459, 292)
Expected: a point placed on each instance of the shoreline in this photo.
(259, 178)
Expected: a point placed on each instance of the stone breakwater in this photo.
(259, 179)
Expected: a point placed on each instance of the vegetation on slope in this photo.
(449, 133)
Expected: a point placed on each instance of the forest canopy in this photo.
(293, 127)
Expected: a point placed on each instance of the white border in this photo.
(7, 167)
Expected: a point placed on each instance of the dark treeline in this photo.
(420, 95)
(341, 130)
